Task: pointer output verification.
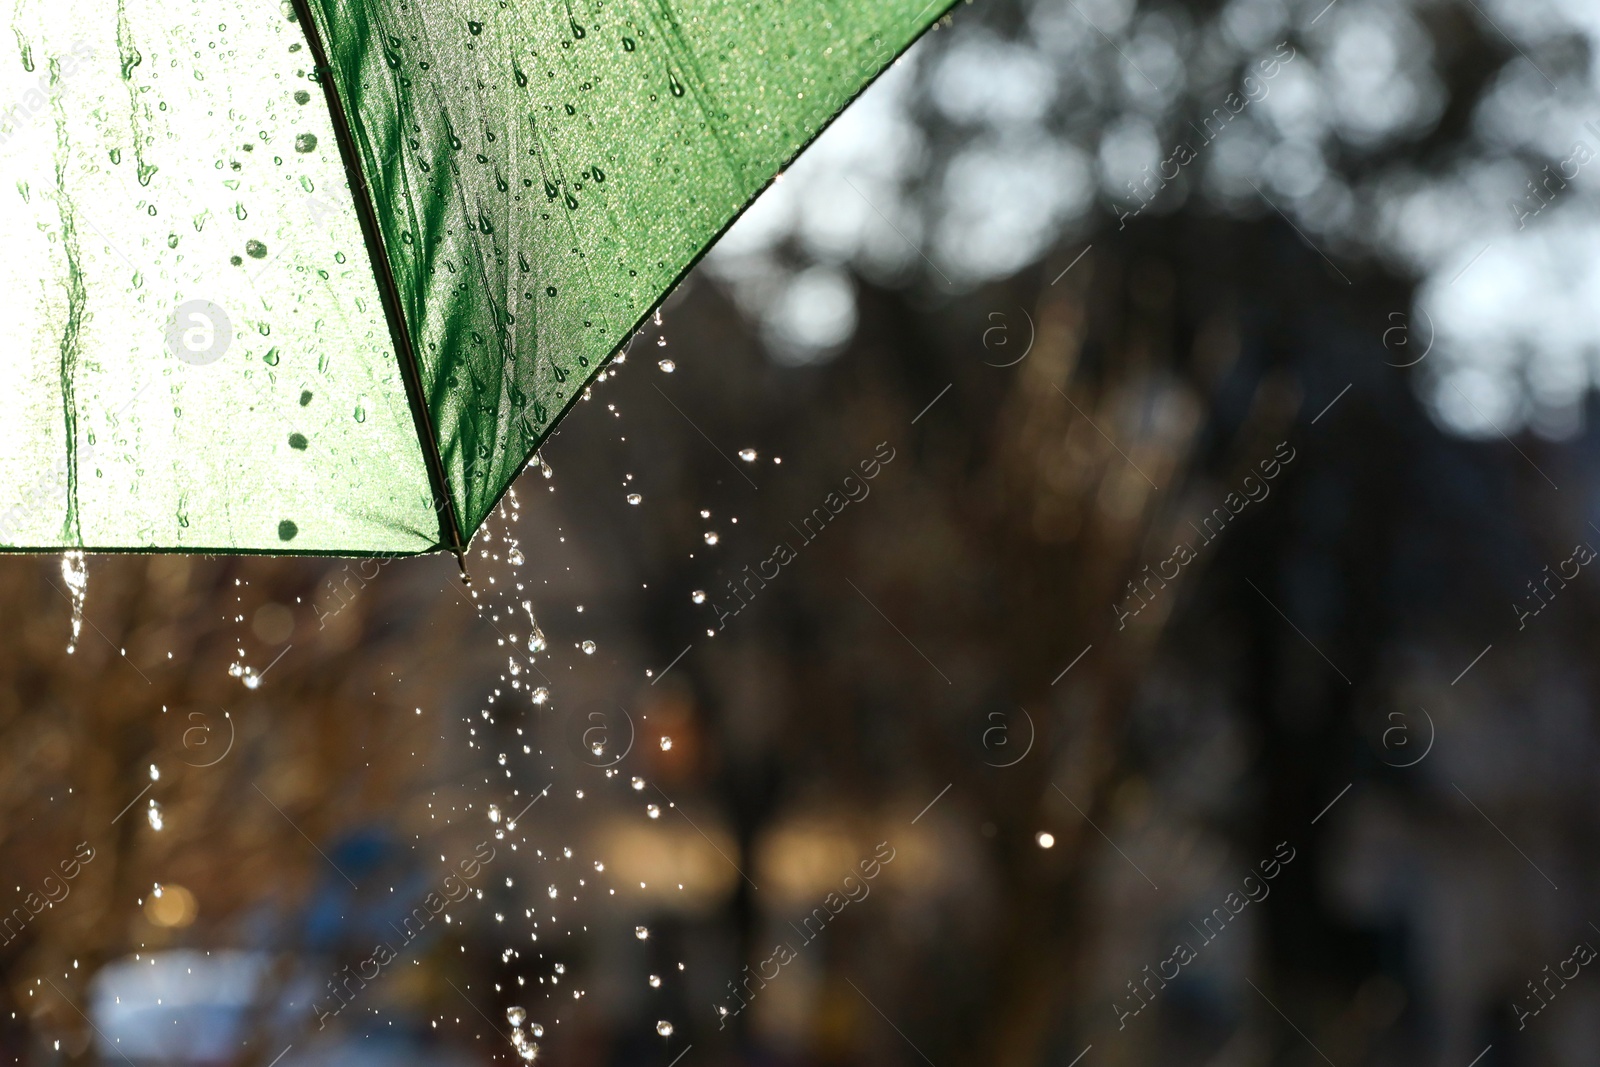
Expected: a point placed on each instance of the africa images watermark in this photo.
(12, 925)
(27, 107)
(1582, 955)
(1581, 556)
(1254, 489)
(1184, 954)
(783, 954)
(1255, 90)
(433, 905)
(854, 490)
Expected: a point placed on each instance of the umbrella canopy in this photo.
(320, 276)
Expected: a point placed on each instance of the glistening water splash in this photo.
(75, 572)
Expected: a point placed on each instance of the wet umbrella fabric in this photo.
(320, 276)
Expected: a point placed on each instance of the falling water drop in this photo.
(75, 572)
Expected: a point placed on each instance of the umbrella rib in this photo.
(388, 288)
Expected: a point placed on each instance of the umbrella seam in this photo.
(388, 288)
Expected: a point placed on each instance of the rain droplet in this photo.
(711, 537)
(154, 815)
(666, 744)
(540, 695)
(515, 1016)
(515, 557)
(75, 572)
(747, 454)
(536, 1030)
(667, 366)
(655, 981)
(638, 783)
(305, 142)
(653, 810)
(635, 498)
(641, 932)
(698, 596)
(553, 892)
(494, 815)
(588, 648)
(664, 1028)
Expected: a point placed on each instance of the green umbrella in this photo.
(319, 277)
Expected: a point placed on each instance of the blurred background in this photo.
(1063, 582)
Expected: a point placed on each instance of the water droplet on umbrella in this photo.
(628, 45)
(588, 648)
(655, 981)
(153, 813)
(698, 596)
(553, 891)
(664, 1028)
(515, 557)
(255, 249)
(541, 695)
(747, 454)
(667, 365)
(666, 744)
(305, 142)
(515, 1015)
(653, 810)
(711, 537)
(635, 498)
(537, 1030)
(641, 932)
(494, 813)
